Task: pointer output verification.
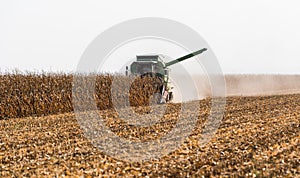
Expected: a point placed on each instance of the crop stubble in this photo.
(259, 136)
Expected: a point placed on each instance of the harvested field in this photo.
(259, 136)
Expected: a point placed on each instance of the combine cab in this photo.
(154, 66)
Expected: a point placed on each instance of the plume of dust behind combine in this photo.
(253, 85)
(194, 87)
(241, 85)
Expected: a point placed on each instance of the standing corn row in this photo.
(32, 94)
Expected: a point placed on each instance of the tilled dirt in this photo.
(259, 136)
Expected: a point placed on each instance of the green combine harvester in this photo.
(154, 66)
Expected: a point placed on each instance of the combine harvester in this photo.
(154, 66)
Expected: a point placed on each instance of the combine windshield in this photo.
(143, 68)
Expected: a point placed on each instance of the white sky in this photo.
(254, 36)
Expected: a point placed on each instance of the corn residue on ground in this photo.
(259, 136)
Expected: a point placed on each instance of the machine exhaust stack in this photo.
(126, 72)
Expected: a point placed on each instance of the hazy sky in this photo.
(254, 36)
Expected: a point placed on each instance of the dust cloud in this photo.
(240, 85)
(253, 85)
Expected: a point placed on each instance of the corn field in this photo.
(44, 94)
(259, 136)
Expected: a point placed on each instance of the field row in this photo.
(258, 136)
(44, 94)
